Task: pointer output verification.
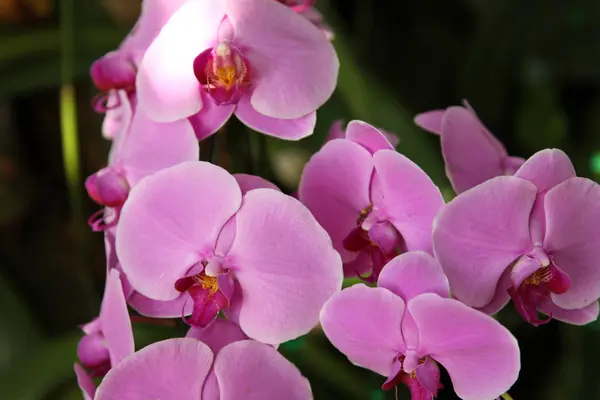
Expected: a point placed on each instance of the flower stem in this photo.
(70, 146)
(506, 396)
(68, 109)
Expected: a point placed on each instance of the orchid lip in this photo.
(536, 289)
(210, 294)
(381, 242)
(223, 72)
(423, 378)
(101, 101)
(102, 219)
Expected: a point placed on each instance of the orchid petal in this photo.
(256, 371)
(285, 265)
(218, 335)
(335, 187)
(480, 233)
(211, 117)
(573, 239)
(480, 355)
(153, 16)
(151, 146)
(501, 296)
(296, 65)
(430, 121)
(286, 129)
(408, 197)
(170, 220)
(546, 169)
(114, 320)
(413, 273)
(251, 182)
(85, 382)
(367, 136)
(471, 153)
(173, 369)
(578, 316)
(166, 85)
(364, 324)
(181, 306)
(211, 390)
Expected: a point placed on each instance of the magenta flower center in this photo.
(536, 290)
(223, 72)
(422, 378)
(378, 239)
(208, 283)
(210, 295)
(549, 278)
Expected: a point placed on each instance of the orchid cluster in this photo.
(248, 267)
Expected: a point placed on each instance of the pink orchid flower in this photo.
(181, 305)
(408, 324)
(255, 58)
(534, 236)
(374, 202)
(471, 153)
(143, 148)
(221, 366)
(261, 257)
(108, 339)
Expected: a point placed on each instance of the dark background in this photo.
(530, 68)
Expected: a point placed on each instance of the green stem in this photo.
(506, 396)
(70, 148)
(68, 108)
